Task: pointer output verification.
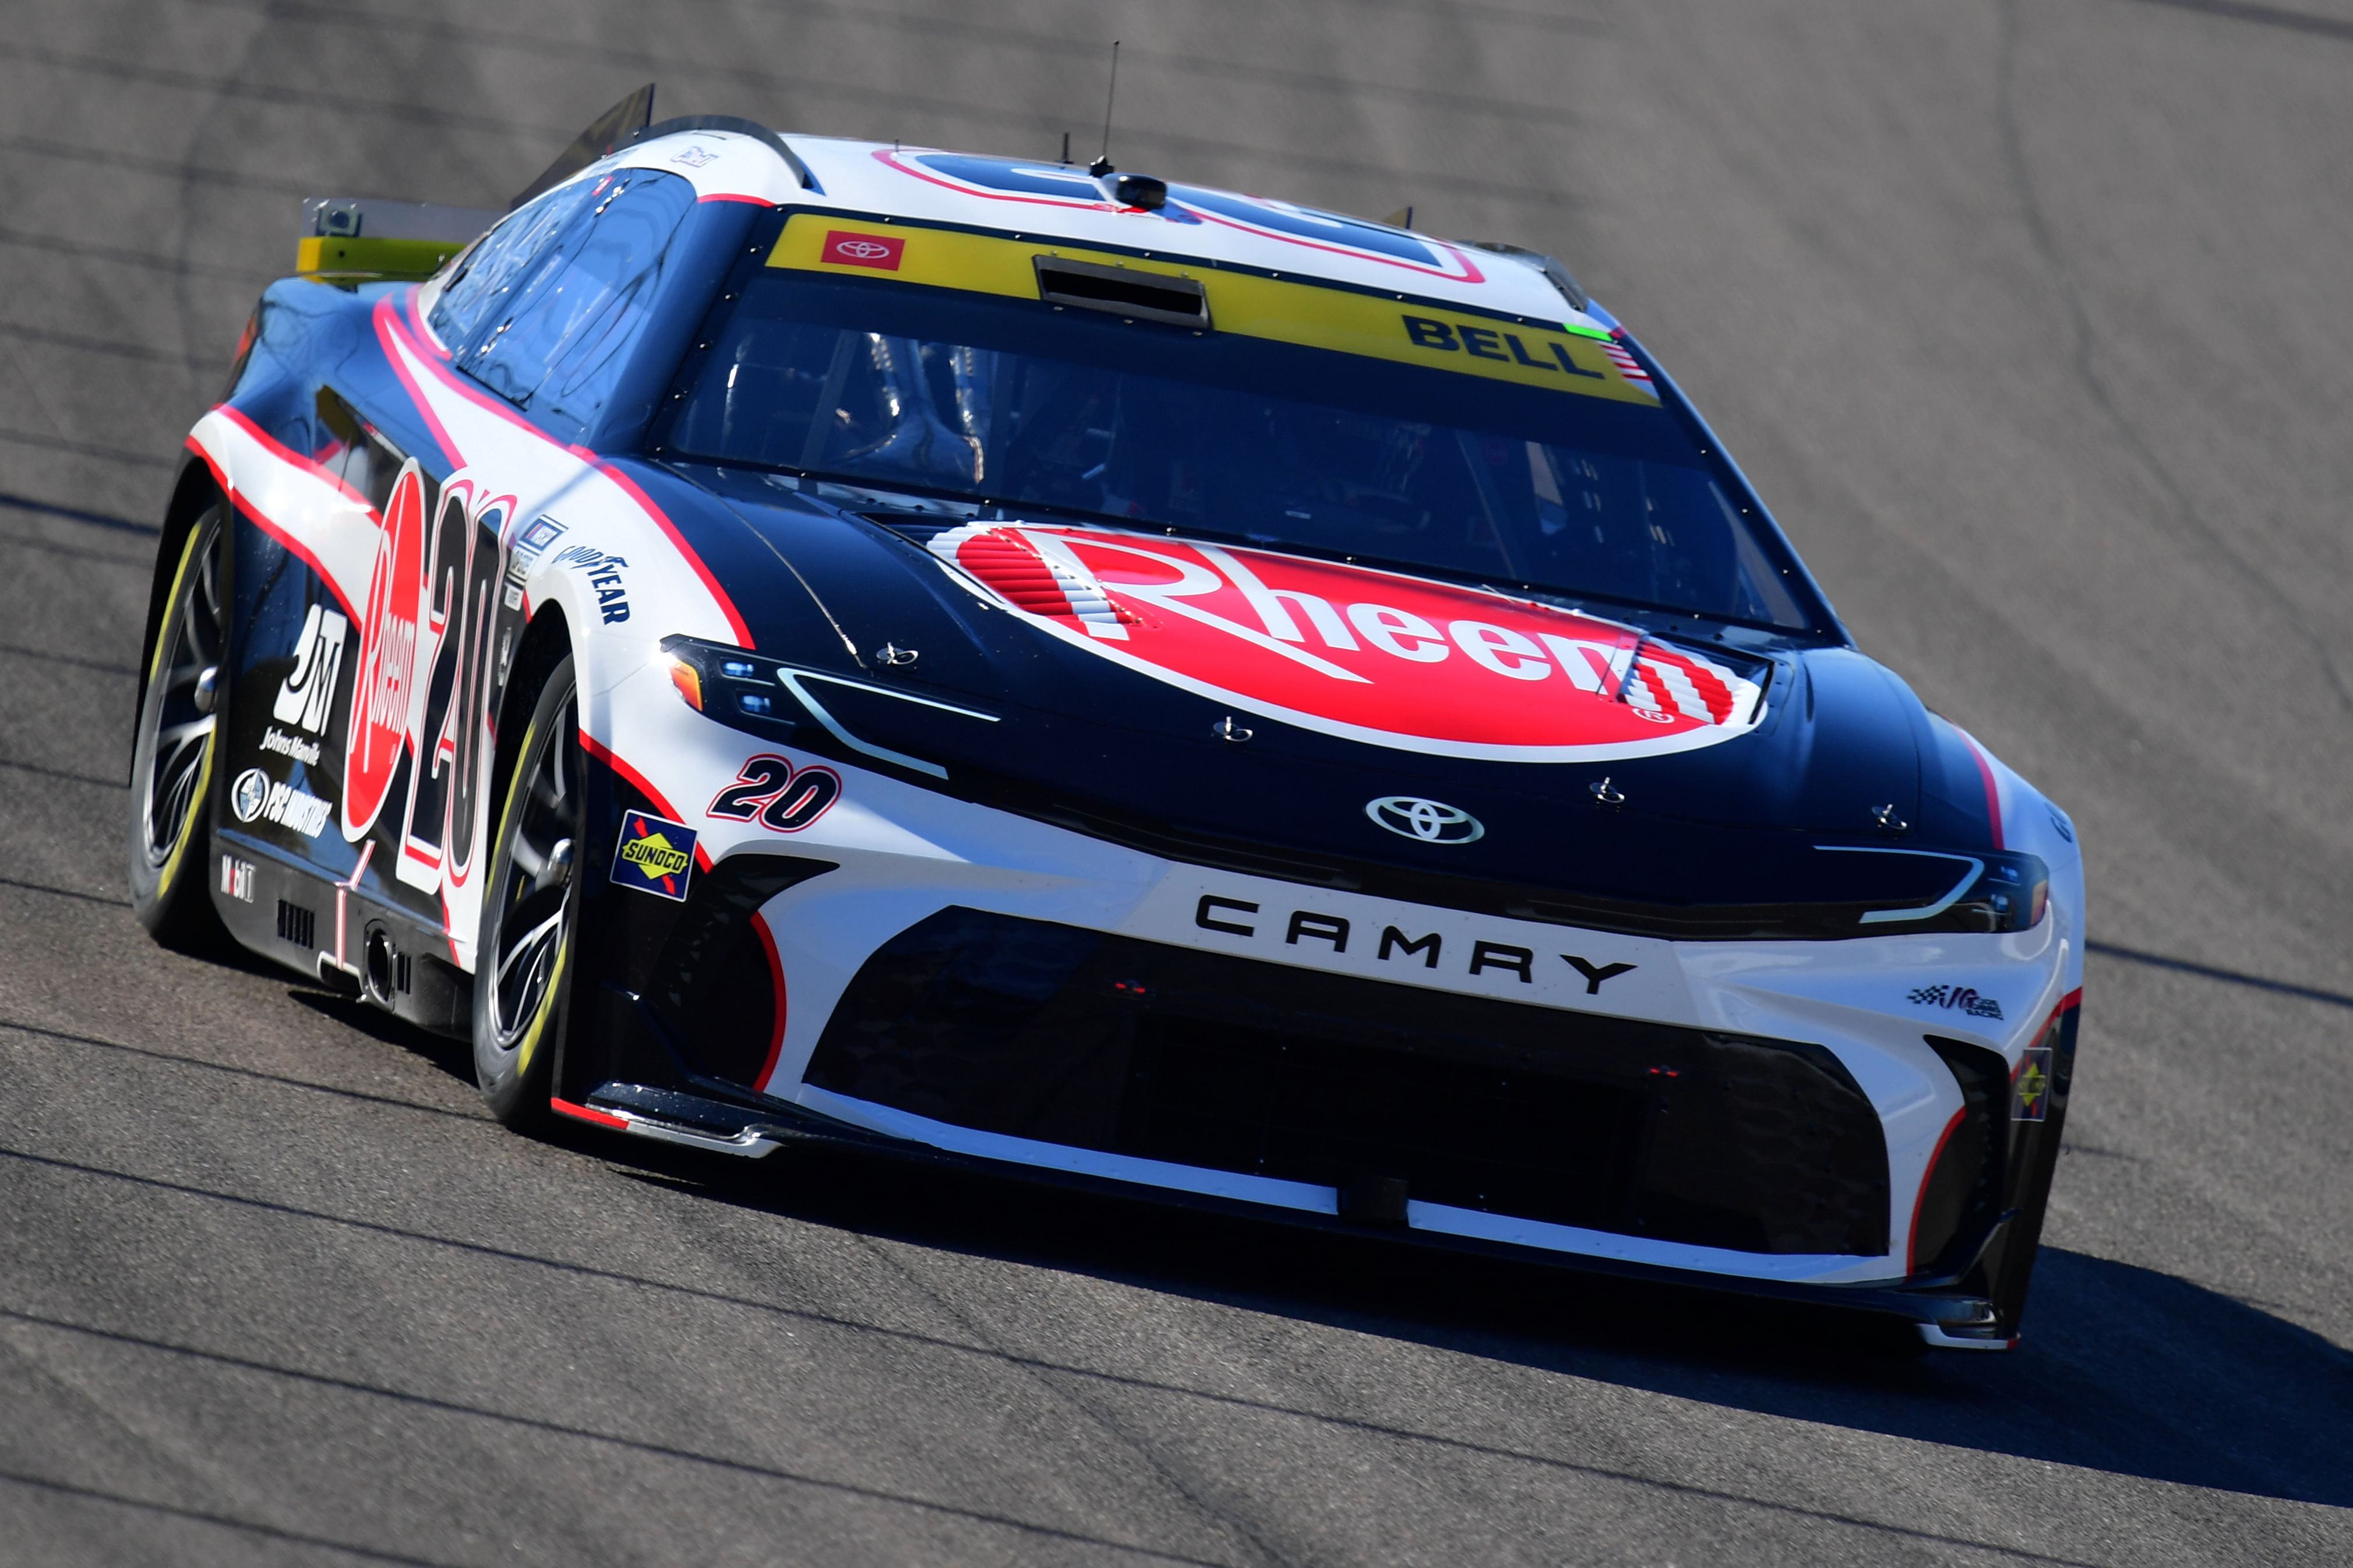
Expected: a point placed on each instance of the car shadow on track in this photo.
(454, 1057)
(2122, 1369)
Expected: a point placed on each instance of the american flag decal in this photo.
(1012, 564)
(1628, 368)
(1663, 681)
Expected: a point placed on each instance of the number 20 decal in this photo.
(784, 798)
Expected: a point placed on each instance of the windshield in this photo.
(1018, 402)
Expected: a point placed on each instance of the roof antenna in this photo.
(1066, 146)
(1103, 166)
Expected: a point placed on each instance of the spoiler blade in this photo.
(614, 127)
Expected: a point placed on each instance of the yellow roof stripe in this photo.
(1278, 310)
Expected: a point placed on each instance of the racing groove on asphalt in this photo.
(2028, 319)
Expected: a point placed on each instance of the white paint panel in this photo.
(1058, 1157)
(1816, 1268)
(292, 497)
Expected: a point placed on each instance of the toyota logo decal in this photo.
(1430, 821)
(847, 247)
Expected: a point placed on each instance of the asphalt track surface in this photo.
(2030, 319)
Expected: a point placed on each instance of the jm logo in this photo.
(306, 697)
(1430, 821)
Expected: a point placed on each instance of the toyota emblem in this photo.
(864, 249)
(1429, 821)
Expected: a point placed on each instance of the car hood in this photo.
(1121, 672)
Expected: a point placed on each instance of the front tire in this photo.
(523, 959)
(174, 747)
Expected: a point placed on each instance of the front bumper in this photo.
(760, 993)
(1947, 1312)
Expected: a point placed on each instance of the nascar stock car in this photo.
(1047, 670)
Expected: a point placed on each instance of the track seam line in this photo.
(8, 1024)
(222, 1520)
(590, 1434)
(909, 1336)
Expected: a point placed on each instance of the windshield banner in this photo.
(1377, 326)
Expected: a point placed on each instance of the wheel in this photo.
(171, 749)
(530, 911)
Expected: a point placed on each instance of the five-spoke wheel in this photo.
(530, 910)
(172, 750)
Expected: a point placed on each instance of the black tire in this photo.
(522, 960)
(172, 748)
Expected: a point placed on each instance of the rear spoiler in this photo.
(608, 133)
(632, 120)
(364, 238)
(351, 238)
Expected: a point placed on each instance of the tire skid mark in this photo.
(2084, 355)
(25, 240)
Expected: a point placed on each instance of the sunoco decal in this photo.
(1369, 656)
(655, 856)
(2031, 1087)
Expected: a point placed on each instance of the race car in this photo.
(1049, 670)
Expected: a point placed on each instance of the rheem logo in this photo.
(378, 731)
(1379, 657)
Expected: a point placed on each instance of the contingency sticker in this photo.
(656, 854)
(2031, 1087)
(1377, 326)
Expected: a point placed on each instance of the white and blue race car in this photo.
(1044, 669)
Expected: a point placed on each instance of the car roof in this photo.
(1044, 199)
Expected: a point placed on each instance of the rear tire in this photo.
(531, 909)
(173, 745)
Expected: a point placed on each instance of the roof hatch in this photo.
(1124, 291)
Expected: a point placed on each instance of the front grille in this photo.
(1071, 1036)
(1318, 1111)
